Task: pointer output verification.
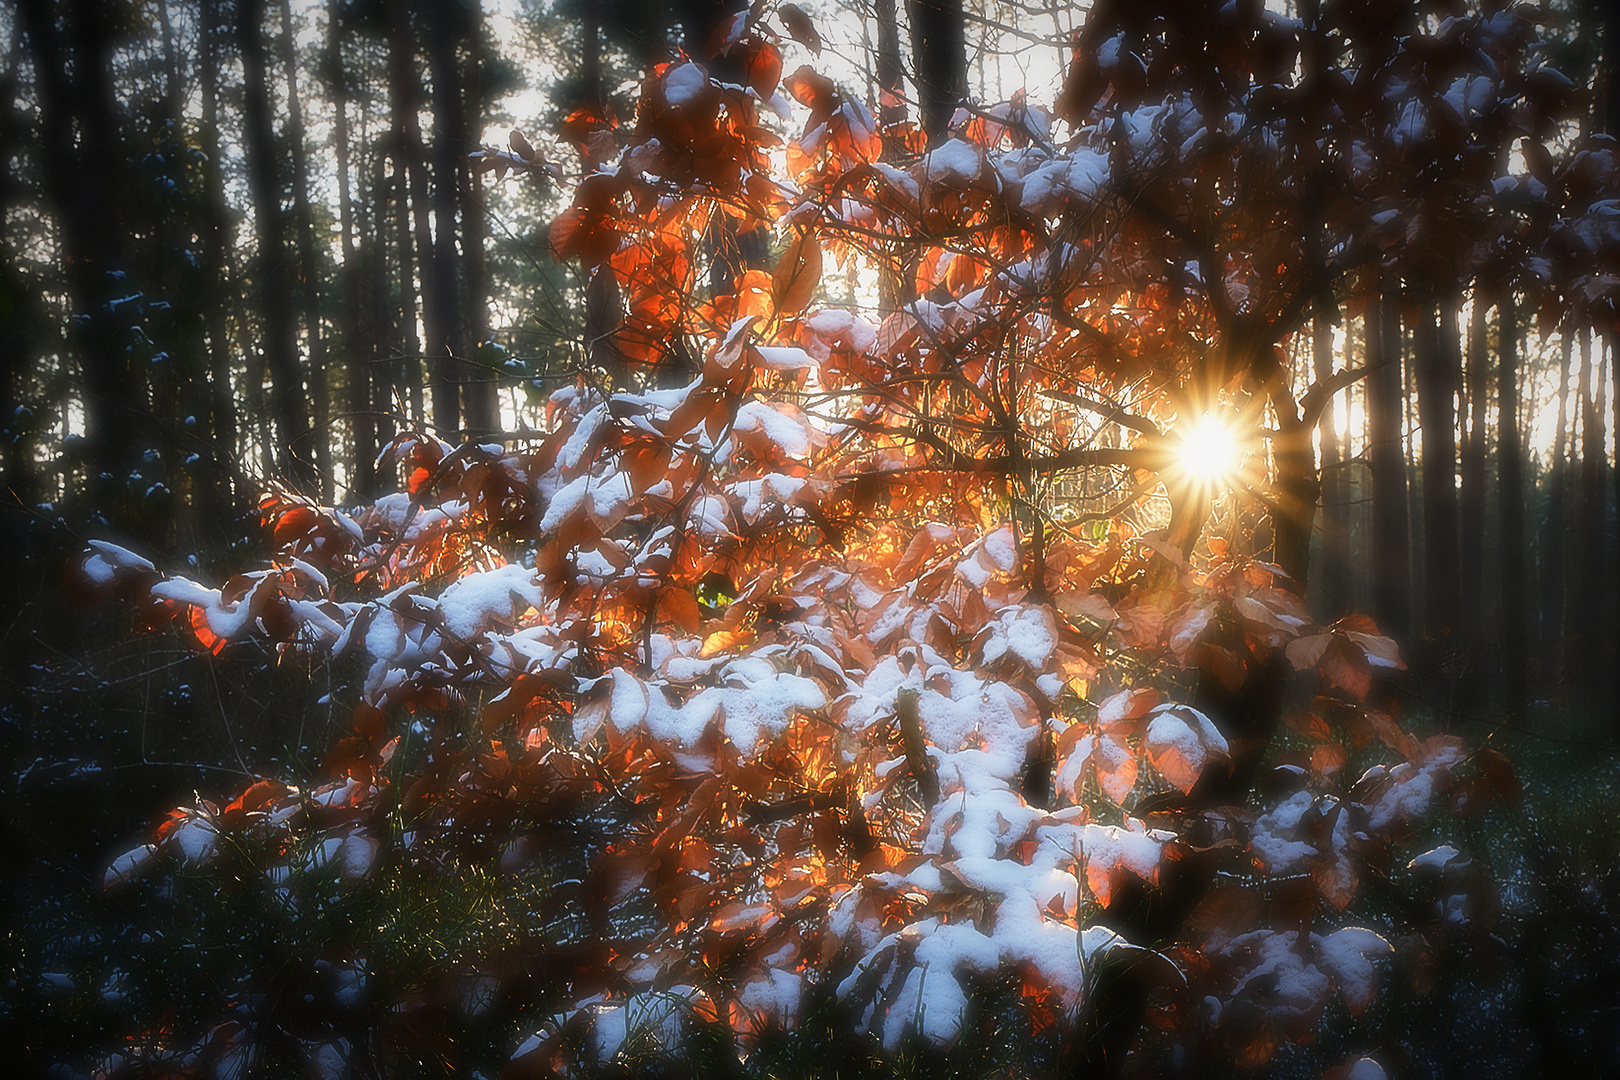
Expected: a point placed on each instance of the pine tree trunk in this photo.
(1590, 630)
(1434, 350)
(1391, 555)
(222, 427)
(1510, 479)
(75, 96)
(1335, 546)
(479, 391)
(278, 333)
(405, 142)
(1552, 569)
(359, 471)
(939, 62)
(444, 342)
(308, 265)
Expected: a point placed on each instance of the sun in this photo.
(1208, 450)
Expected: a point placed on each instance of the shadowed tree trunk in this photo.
(1335, 531)
(1594, 670)
(82, 180)
(443, 341)
(1551, 578)
(278, 334)
(405, 140)
(217, 218)
(360, 472)
(309, 269)
(1471, 508)
(939, 62)
(1434, 349)
(1510, 480)
(479, 389)
(1391, 557)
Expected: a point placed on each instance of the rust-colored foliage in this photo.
(997, 672)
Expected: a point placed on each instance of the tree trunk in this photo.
(278, 333)
(1510, 479)
(309, 271)
(1391, 565)
(1552, 569)
(480, 391)
(359, 473)
(939, 62)
(1471, 508)
(1435, 348)
(444, 342)
(216, 224)
(1332, 598)
(83, 181)
(405, 138)
(1593, 674)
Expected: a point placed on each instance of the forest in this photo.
(853, 537)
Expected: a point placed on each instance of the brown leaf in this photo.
(797, 274)
(799, 27)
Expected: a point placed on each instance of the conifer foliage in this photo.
(885, 658)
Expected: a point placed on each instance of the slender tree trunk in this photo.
(1594, 461)
(939, 62)
(1552, 583)
(1391, 557)
(480, 399)
(1587, 567)
(359, 471)
(216, 223)
(277, 333)
(1434, 352)
(891, 75)
(406, 140)
(444, 342)
(1471, 507)
(1335, 546)
(1510, 478)
(75, 95)
(309, 271)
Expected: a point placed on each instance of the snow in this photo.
(953, 160)
(1272, 839)
(1026, 631)
(472, 603)
(1180, 741)
(102, 567)
(786, 432)
(1435, 860)
(1343, 955)
(781, 358)
(773, 489)
(684, 84)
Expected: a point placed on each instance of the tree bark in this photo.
(83, 181)
(405, 139)
(1332, 599)
(1552, 569)
(359, 472)
(1434, 350)
(1471, 507)
(1510, 478)
(480, 393)
(443, 341)
(1391, 565)
(309, 271)
(216, 223)
(939, 62)
(278, 334)
(1593, 673)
